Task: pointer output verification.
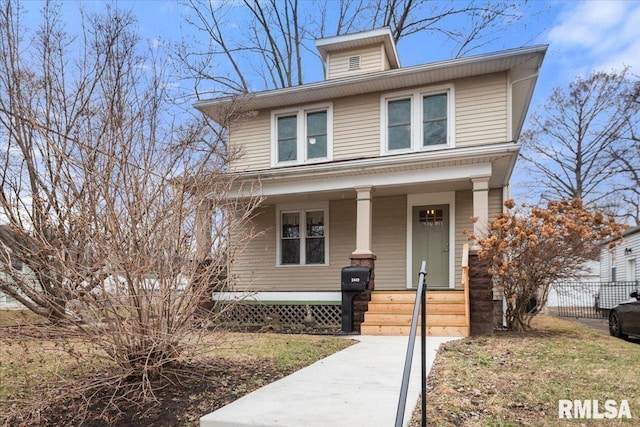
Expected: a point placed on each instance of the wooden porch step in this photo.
(432, 331)
(409, 296)
(432, 308)
(389, 313)
(405, 319)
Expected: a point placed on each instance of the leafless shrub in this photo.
(117, 210)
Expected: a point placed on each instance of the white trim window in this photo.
(302, 135)
(418, 120)
(302, 235)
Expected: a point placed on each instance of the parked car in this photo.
(624, 318)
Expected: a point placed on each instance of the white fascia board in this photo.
(406, 160)
(439, 174)
(328, 296)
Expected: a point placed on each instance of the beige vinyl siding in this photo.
(356, 127)
(387, 65)
(481, 110)
(390, 242)
(481, 118)
(342, 234)
(371, 59)
(255, 268)
(464, 212)
(253, 264)
(253, 138)
(495, 202)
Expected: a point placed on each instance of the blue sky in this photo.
(582, 36)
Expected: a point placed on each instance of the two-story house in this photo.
(376, 164)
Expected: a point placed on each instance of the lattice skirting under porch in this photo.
(323, 315)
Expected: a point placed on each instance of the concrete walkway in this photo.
(358, 386)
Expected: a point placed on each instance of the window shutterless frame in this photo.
(302, 135)
(418, 120)
(302, 237)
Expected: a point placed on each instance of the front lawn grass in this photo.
(34, 365)
(19, 317)
(513, 379)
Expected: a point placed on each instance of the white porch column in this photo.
(363, 221)
(480, 206)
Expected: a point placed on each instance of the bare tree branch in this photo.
(574, 147)
(267, 41)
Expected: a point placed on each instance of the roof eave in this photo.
(518, 61)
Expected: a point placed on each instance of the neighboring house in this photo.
(581, 291)
(7, 302)
(377, 164)
(619, 264)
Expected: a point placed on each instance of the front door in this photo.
(431, 242)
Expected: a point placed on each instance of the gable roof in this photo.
(523, 65)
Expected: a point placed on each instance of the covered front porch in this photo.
(390, 216)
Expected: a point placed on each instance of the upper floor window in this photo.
(399, 124)
(418, 120)
(434, 120)
(302, 135)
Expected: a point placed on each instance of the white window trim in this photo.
(302, 208)
(301, 114)
(416, 118)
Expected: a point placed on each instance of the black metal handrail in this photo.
(420, 302)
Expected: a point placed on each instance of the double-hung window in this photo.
(399, 124)
(302, 238)
(434, 120)
(417, 120)
(302, 135)
(287, 138)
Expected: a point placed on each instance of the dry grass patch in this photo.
(19, 317)
(38, 376)
(511, 379)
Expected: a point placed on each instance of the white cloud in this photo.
(599, 34)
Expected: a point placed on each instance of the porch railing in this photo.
(404, 388)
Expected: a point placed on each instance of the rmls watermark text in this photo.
(593, 409)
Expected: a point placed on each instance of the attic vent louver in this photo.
(354, 62)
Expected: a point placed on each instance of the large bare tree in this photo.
(627, 161)
(574, 145)
(252, 45)
(103, 192)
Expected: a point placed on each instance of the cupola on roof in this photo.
(358, 53)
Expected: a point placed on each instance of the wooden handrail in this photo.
(465, 283)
